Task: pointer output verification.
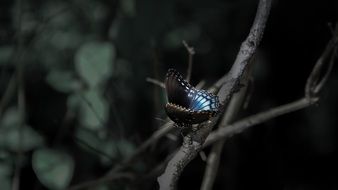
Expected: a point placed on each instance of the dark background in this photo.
(292, 152)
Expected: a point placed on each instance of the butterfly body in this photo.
(187, 105)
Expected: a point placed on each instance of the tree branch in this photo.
(229, 82)
(188, 151)
(193, 141)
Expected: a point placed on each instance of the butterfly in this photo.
(186, 104)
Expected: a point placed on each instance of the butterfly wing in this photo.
(187, 105)
(203, 100)
(178, 90)
(184, 116)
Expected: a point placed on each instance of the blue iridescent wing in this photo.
(203, 100)
(187, 105)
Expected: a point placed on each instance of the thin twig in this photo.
(250, 88)
(322, 82)
(91, 107)
(93, 149)
(191, 52)
(166, 128)
(155, 82)
(157, 100)
(330, 28)
(21, 97)
(194, 140)
(314, 82)
(117, 116)
(111, 175)
(245, 123)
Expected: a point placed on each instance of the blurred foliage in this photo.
(53, 168)
(13, 137)
(88, 106)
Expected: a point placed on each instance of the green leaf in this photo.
(94, 109)
(17, 138)
(63, 81)
(53, 168)
(94, 62)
